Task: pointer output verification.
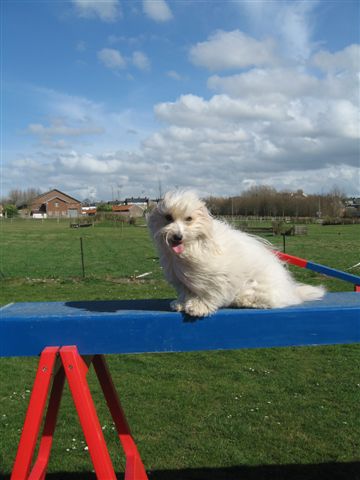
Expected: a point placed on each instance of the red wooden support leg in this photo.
(75, 370)
(34, 414)
(134, 467)
(39, 470)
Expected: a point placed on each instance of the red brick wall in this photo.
(57, 204)
(59, 208)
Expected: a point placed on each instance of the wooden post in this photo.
(82, 257)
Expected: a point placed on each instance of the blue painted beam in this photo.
(317, 267)
(332, 272)
(148, 326)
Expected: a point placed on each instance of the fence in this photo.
(38, 249)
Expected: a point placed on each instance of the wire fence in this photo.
(51, 249)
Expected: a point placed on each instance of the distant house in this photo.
(88, 211)
(55, 204)
(137, 201)
(121, 209)
(352, 207)
(129, 210)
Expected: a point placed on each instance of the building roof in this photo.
(121, 208)
(55, 193)
(136, 200)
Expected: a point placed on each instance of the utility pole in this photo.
(160, 189)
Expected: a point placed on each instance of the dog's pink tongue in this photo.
(178, 248)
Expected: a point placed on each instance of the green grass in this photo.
(287, 413)
(42, 261)
(32, 249)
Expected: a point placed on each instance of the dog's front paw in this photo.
(177, 306)
(197, 308)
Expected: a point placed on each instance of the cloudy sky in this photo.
(105, 99)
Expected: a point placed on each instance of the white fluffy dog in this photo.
(211, 265)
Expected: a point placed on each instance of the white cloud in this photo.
(341, 119)
(282, 125)
(141, 61)
(62, 107)
(111, 58)
(174, 75)
(59, 128)
(232, 50)
(87, 163)
(80, 124)
(290, 22)
(344, 60)
(157, 10)
(191, 110)
(262, 82)
(107, 11)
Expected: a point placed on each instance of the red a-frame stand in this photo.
(66, 362)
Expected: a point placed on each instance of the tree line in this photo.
(259, 201)
(20, 198)
(265, 201)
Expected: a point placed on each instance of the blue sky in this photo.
(104, 96)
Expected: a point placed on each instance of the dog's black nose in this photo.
(177, 238)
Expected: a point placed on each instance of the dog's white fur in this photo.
(211, 265)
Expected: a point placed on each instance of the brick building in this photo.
(55, 204)
(129, 210)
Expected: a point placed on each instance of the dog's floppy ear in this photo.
(205, 213)
(205, 220)
(207, 230)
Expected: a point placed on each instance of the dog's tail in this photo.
(309, 292)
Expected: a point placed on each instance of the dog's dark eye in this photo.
(188, 219)
(169, 218)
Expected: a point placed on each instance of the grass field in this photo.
(288, 413)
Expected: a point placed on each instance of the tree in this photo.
(10, 211)
(103, 207)
(263, 200)
(22, 197)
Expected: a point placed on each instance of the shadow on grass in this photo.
(323, 471)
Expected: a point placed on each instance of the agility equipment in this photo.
(72, 336)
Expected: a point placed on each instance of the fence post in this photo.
(82, 257)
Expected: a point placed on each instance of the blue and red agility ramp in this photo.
(317, 267)
(72, 336)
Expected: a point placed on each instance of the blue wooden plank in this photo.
(148, 326)
(332, 272)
